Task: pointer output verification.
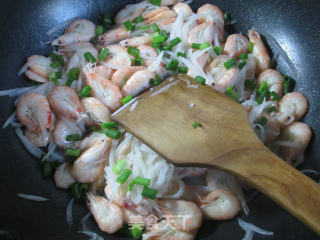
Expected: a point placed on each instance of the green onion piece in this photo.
(73, 137)
(182, 70)
(167, 48)
(55, 164)
(93, 128)
(84, 187)
(155, 27)
(73, 152)
(138, 19)
(99, 30)
(72, 75)
(111, 133)
(105, 125)
(144, 27)
(149, 193)
(158, 38)
(287, 85)
(250, 49)
(75, 191)
(243, 56)
(89, 57)
(85, 91)
(195, 45)
(200, 79)
(156, 2)
(204, 46)
(263, 87)
(54, 64)
(129, 26)
(106, 19)
(54, 76)
(139, 181)
(126, 99)
(47, 170)
(230, 63)
(232, 93)
(262, 96)
(136, 61)
(195, 124)
(103, 54)
(172, 65)
(58, 58)
(274, 96)
(180, 54)
(134, 51)
(175, 41)
(272, 109)
(121, 164)
(217, 50)
(262, 121)
(242, 64)
(227, 17)
(156, 81)
(124, 176)
(136, 231)
(249, 84)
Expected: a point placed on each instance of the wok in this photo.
(23, 25)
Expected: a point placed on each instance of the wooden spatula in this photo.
(163, 119)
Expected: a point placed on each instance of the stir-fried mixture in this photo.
(93, 70)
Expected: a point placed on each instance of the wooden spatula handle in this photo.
(288, 187)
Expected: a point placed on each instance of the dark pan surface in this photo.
(23, 24)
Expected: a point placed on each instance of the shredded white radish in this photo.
(310, 171)
(10, 119)
(84, 221)
(180, 191)
(248, 227)
(258, 109)
(163, 89)
(156, 65)
(16, 91)
(36, 152)
(32, 197)
(51, 148)
(124, 106)
(24, 68)
(260, 131)
(60, 26)
(134, 105)
(286, 144)
(93, 235)
(69, 217)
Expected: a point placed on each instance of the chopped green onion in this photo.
(195, 124)
(232, 93)
(262, 96)
(287, 85)
(89, 57)
(54, 64)
(172, 65)
(124, 176)
(149, 193)
(54, 76)
(55, 164)
(274, 96)
(85, 91)
(243, 56)
(156, 2)
(129, 26)
(195, 45)
(155, 27)
(250, 49)
(249, 84)
(180, 54)
(121, 164)
(263, 87)
(272, 109)
(138, 19)
(111, 133)
(105, 125)
(126, 99)
(78, 190)
(262, 121)
(103, 54)
(182, 70)
(99, 30)
(134, 51)
(227, 17)
(47, 170)
(73, 137)
(136, 231)
(204, 46)
(158, 38)
(230, 63)
(242, 64)
(93, 128)
(175, 41)
(167, 48)
(136, 61)
(106, 19)
(72, 75)
(217, 50)
(73, 152)
(144, 27)
(155, 81)
(200, 79)
(58, 58)
(139, 181)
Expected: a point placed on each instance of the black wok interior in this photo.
(23, 25)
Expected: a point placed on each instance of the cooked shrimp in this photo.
(162, 16)
(88, 167)
(274, 80)
(148, 54)
(78, 31)
(65, 102)
(63, 177)
(132, 218)
(91, 140)
(202, 33)
(114, 35)
(138, 82)
(103, 71)
(183, 172)
(123, 74)
(236, 44)
(118, 57)
(136, 41)
(98, 184)
(109, 216)
(169, 2)
(293, 104)
(216, 68)
(104, 90)
(117, 197)
(35, 77)
(124, 147)
(260, 52)
(183, 9)
(130, 12)
(62, 130)
(272, 128)
(182, 215)
(229, 78)
(37, 139)
(40, 65)
(78, 47)
(34, 112)
(96, 111)
(220, 205)
(300, 135)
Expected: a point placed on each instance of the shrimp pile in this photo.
(92, 72)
